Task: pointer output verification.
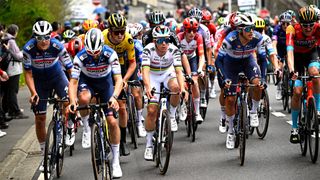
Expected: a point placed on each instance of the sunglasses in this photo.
(41, 38)
(306, 25)
(119, 32)
(285, 23)
(161, 40)
(248, 28)
(191, 30)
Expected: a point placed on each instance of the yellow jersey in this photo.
(125, 47)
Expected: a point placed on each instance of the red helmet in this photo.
(231, 19)
(190, 23)
(206, 15)
(74, 46)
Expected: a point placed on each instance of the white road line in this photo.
(278, 114)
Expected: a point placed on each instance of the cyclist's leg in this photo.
(222, 122)
(123, 120)
(171, 83)
(195, 87)
(313, 69)
(152, 113)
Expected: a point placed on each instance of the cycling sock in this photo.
(295, 114)
(223, 112)
(255, 105)
(173, 111)
(197, 104)
(85, 123)
(42, 145)
(139, 117)
(149, 138)
(115, 152)
(123, 134)
(317, 98)
(230, 120)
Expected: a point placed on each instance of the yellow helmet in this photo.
(307, 15)
(220, 21)
(260, 23)
(117, 21)
(89, 24)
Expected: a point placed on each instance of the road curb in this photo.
(19, 153)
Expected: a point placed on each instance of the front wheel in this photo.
(263, 114)
(50, 153)
(313, 130)
(165, 145)
(132, 121)
(101, 167)
(61, 134)
(242, 133)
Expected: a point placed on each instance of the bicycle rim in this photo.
(242, 133)
(133, 118)
(60, 145)
(263, 114)
(164, 148)
(97, 155)
(194, 124)
(189, 116)
(313, 130)
(285, 86)
(49, 163)
(302, 130)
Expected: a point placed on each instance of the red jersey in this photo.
(301, 43)
(190, 48)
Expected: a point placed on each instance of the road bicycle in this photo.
(308, 120)
(55, 139)
(191, 124)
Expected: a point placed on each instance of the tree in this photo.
(25, 12)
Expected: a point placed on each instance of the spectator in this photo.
(11, 87)
(3, 77)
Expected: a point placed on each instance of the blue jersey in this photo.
(233, 50)
(46, 64)
(107, 64)
(279, 35)
(138, 50)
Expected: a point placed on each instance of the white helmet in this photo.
(93, 41)
(245, 19)
(42, 28)
(133, 31)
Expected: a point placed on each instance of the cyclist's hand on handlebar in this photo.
(227, 83)
(114, 103)
(34, 99)
(184, 95)
(149, 93)
(200, 73)
(294, 75)
(72, 107)
(211, 68)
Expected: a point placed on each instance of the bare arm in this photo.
(73, 86)
(118, 84)
(29, 81)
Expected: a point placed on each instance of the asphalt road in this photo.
(207, 158)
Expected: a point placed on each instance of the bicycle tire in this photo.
(194, 124)
(285, 93)
(263, 112)
(61, 147)
(313, 130)
(132, 120)
(302, 130)
(71, 149)
(166, 143)
(242, 133)
(49, 161)
(189, 116)
(99, 164)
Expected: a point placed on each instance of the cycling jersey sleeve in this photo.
(130, 50)
(222, 53)
(177, 58)
(146, 54)
(76, 69)
(200, 45)
(138, 51)
(290, 32)
(207, 37)
(65, 59)
(26, 60)
(115, 65)
(269, 46)
(261, 48)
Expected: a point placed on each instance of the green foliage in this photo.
(25, 12)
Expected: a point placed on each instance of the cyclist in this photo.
(302, 53)
(68, 35)
(74, 46)
(207, 21)
(235, 55)
(134, 32)
(263, 63)
(293, 15)
(161, 62)
(121, 41)
(95, 68)
(43, 58)
(279, 43)
(86, 26)
(204, 31)
(192, 46)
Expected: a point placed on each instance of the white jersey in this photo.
(268, 44)
(160, 65)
